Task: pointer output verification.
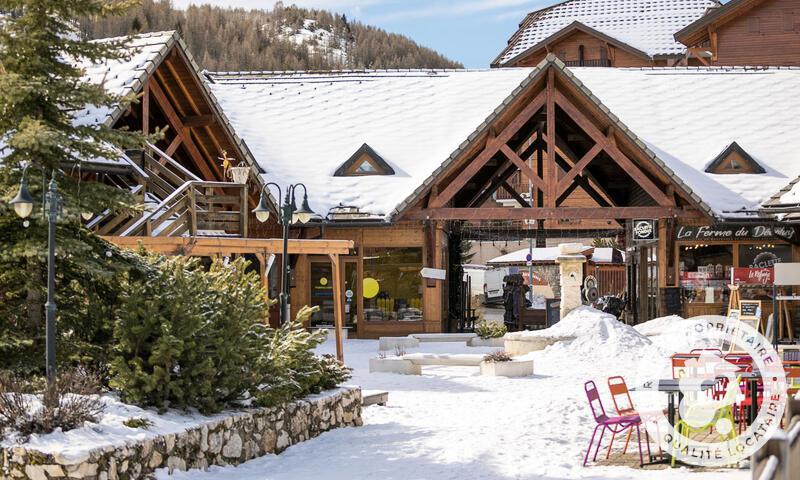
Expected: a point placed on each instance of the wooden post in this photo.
(243, 211)
(192, 212)
(337, 305)
(146, 108)
(552, 173)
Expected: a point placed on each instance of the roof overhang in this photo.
(573, 27)
(697, 31)
(552, 62)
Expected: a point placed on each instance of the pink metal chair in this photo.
(615, 425)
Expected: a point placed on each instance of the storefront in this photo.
(709, 258)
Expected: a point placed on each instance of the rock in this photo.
(233, 449)
(282, 442)
(214, 442)
(155, 460)
(82, 470)
(204, 439)
(169, 441)
(175, 463)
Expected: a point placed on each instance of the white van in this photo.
(493, 283)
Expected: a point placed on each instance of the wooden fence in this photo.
(779, 459)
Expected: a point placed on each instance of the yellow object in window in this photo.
(371, 287)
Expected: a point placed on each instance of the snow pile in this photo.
(658, 326)
(594, 343)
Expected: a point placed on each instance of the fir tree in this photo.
(41, 91)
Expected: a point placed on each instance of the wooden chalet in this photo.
(402, 165)
(746, 32)
(597, 150)
(604, 33)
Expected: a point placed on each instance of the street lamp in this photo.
(288, 214)
(23, 206)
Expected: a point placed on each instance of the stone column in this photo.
(570, 262)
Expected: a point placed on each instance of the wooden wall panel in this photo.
(567, 49)
(768, 34)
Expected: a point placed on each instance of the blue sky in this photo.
(470, 31)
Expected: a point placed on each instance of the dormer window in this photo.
(734, 160)
(365, 161)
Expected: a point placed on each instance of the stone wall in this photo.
(231, 440)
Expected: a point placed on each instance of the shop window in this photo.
(764, 255)
(734, 159)
(705, 272)
(392, 285)
(365, 161)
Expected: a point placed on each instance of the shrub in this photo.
(191, 338)
(73, 401)
(486, 330)
(287, 368)
(498, 356)
(182, 336)
(138, 422)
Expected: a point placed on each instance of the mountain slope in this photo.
(284, 38)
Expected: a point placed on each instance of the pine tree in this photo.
(41, 91)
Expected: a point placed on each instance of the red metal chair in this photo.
(614, 424)
(747, 401)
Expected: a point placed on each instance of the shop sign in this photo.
(644, 230)
(735, 232)
(752, 276)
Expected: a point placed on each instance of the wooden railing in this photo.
(194, 206)
(779, 459)
(600, 62)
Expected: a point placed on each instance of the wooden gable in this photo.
(746, 32)
(561, 141)
(734, 159)
(364, 162)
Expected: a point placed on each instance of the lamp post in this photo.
(23, 206)
(288, 214)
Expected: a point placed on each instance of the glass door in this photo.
(352, 292)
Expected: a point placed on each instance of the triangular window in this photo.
(365, 161)
(734, 159)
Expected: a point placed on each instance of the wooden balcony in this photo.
(600, 62)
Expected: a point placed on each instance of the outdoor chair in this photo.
(706, 415)
(623, 403)
(603, 422)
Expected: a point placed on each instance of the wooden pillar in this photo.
(552, 173)
(146, 108)
(338, 315)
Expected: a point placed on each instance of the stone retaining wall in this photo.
(231, 440)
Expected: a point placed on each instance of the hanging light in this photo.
(305, 213)
(262, 210)
(23, 202)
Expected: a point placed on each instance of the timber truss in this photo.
(562, 161)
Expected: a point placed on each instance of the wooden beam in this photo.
(575, 213)
(563, 149)
(175, 120)
(564, 183)
(194, 121)
(524, 168)
(491, 148)
(491, 186)
(515, 195)
(234, 245)
(173, 146)
(552, 173)
(338, 304)
(623, 161)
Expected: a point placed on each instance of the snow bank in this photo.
(658, 326)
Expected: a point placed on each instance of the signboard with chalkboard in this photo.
(750, 312)
(672, 300)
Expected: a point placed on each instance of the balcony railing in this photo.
(601, 62)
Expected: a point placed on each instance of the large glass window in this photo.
(392, 286)
(322, 292)
(705, 272)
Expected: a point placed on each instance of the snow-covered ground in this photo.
(451, 423)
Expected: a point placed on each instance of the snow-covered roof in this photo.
(646, 25)
(686, 116)
(549, 255)
(301, 126)
(124, 76)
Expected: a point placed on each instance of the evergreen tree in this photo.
(41, 91)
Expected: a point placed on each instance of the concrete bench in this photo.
(520, 343)
(391, 343)
(374, 397)
(443, 337)
(412, 364)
